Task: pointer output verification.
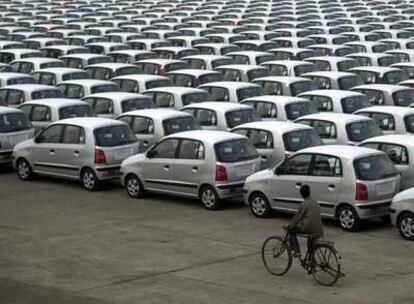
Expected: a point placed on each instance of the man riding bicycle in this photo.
(307, 221)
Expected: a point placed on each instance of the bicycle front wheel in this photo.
(276, 256)
(326, 269)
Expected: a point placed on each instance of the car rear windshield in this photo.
(14, 122)
(47, 94)
(158, 83)
(194, 98)
(116, 135)
(298, 109)
(301, 86)
(180, 124)
(235, 150)
(354, 103)
(361, 130)
(75, 111)
(387, 60)
(345, 65)
(409, 123)
(395, 77)
(374, 167)
(301, 139)
(345, 83)
(249, 92)
(135, 104)
(75, 75)
(303, 68)
(105, 88)
(403, 98)
(238, 117)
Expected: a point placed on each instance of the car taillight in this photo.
(221, 173)
(361, 192)
(100, 158)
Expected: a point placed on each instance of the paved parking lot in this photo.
(61, 244)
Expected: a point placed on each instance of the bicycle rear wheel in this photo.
(276, 256)
(326, 269)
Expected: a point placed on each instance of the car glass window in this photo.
(14, 122)
(348, 82)
(301, 139)
(300, 86)
(374, 167)
(398, 154)
(218, 94)
(238, 117)
(135, 104)
(249, 92)
(75, 111)
(219, 62)
(325, 129)
(142, 125)
(100, 73)
(263, 109)
(103, 106)
(368, 77)
(127, 71)
(182, 80)
(374, 97)
(158, 83)
(127, 85)
(73, 62)
(73, 135)
(321, 65)
(297, 109)
(194, 98)
(73, 91)
(322, 83)
(147, 68)
(361, 130)
(231, 74)
(387, 60)
(297, 165)
(235, 151)
(271, 87)
(115, 135)
(403, 98)
(165, 149)
(385, 121)
(256, 73)
(261, 139)
(47, 94)
(345, 65)
(75, 75)
(324, 165)
(40, 113)
(104, 88)
(354, 103)
(191, 149)
(321, 103)
(303, 68)
(25, 67)
(162, 100)
(195, 63)
(47, 79)
(12, 97)
(179, 124)
(277, 70)
(205, 117)
(51, 135)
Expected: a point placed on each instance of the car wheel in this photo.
(348, 219)
(209, 198)
(259, 205)
(133, 186)
(24, 171)
(89, 180)
(406, 226)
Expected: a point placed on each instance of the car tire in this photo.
(24, 170)
(348, 219)
(209, 198)
(259, 205)
(405, 224)
(134, 186)
(89, 179)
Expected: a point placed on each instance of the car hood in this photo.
(134, 159)
(23, 145)
(259, 176)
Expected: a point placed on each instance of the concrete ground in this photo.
(61, 244)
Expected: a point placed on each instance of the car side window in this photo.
(261, 139)
(40, 113)
(47, 79)
(371, 146)
(324, 165)
(385, 121)
(103, 106)
(142, 125)
(51, 135)
(398, 154)
(165, 149)
(325, 129)
(26, 110)
(374, 97)
(218, 94)
(191, 149)
(73, 135)
(322, 82)
(297, 165)
(14, 97)
(206, 117)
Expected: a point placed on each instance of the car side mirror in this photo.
(37, 139)
(279, 170)
(151, 153)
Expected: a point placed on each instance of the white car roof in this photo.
(399, 139)
(332, 93)
(39, 60)
(335, 117)
(400, 111)
(329, 74)
(178, 90)
(223, 106)
(242, 67)
(229, 84)
(56, 102)
(283, 79)
(279, 99)
(86, 82)
(280, 127)
(61, 70)
(378, 69)
(160, 61)
(207, 136)
(117, 96)
(141, 77)
(11, 75)
(343, 151)
(29, 87)
(90, 123)
(4, 110)
(382, 87)
(157, 114)
(193, 72)
(287, 63)
(329, 58)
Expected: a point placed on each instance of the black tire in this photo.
(325, 265)
(134, 186)
(259, 205)
(24, 170)
(89, 180)
(209, 198)
(348, 219)
(276, 256)
(405, 225)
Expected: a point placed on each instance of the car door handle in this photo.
(298, 185)
(167, 168)
(145, 143)
(264, 157)
(52, 151)
(76, 153)
(194, 169)
(331, 187)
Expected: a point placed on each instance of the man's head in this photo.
(305, 191)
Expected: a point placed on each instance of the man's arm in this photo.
(298, 216)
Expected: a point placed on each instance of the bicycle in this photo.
(321, 259)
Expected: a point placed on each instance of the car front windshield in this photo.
(298, 109)
(14, 122)
(194, 98)
(180, 124)
(235, 151)
(238, 117)
(75, 111)
(403, 98)
(301, 139)
(361, 130)
(115, 135)
(374, 167)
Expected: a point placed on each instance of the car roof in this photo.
(400, 139)
(90, 122)
(4, 110)
(38, 60)
(86, 82)
(284, 79)
(329, 58)
(335, 117)
(242, 67)
(60, 70)
(160, 61)
(157, 114)
(229, 84)
(11, 75)
(178, 90)
(379, 69)
(222, 106)
(280, 127)
(287, 63)
(332, 93)
(194, 72)
(56, 102)
(279, 99)
(207, 136)
(111, 65)
(382, 87)
(204, 57)
(329, 74)
(401, 111)
(247, 53)
(30, 87)
(117, 96)
(343, 151)
(141, 77)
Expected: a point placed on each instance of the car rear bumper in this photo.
(6, 157)
(230, 190)
(373, 209)
(108, 172)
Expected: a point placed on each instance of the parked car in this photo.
(80, 61)
(351, 184)
(275, 141)
(386, 94)
(221, 115)
(402, 213)
(138, 83)
(400, 150)
(106, 71)
(52, 76)
(207, 165)
(79, 88)
(15, 127)
(338, 101)
(87, 149)
(233, 91)
(42, 112)
(193, 77)
(10, 78)
(206, 62)
(150, 125)
(327, 80)
(112, 104)
(382, 75)
(293, 68)
(283, 108)
(340, 128)
(175, 97)
(13, 95)
(284, 85)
